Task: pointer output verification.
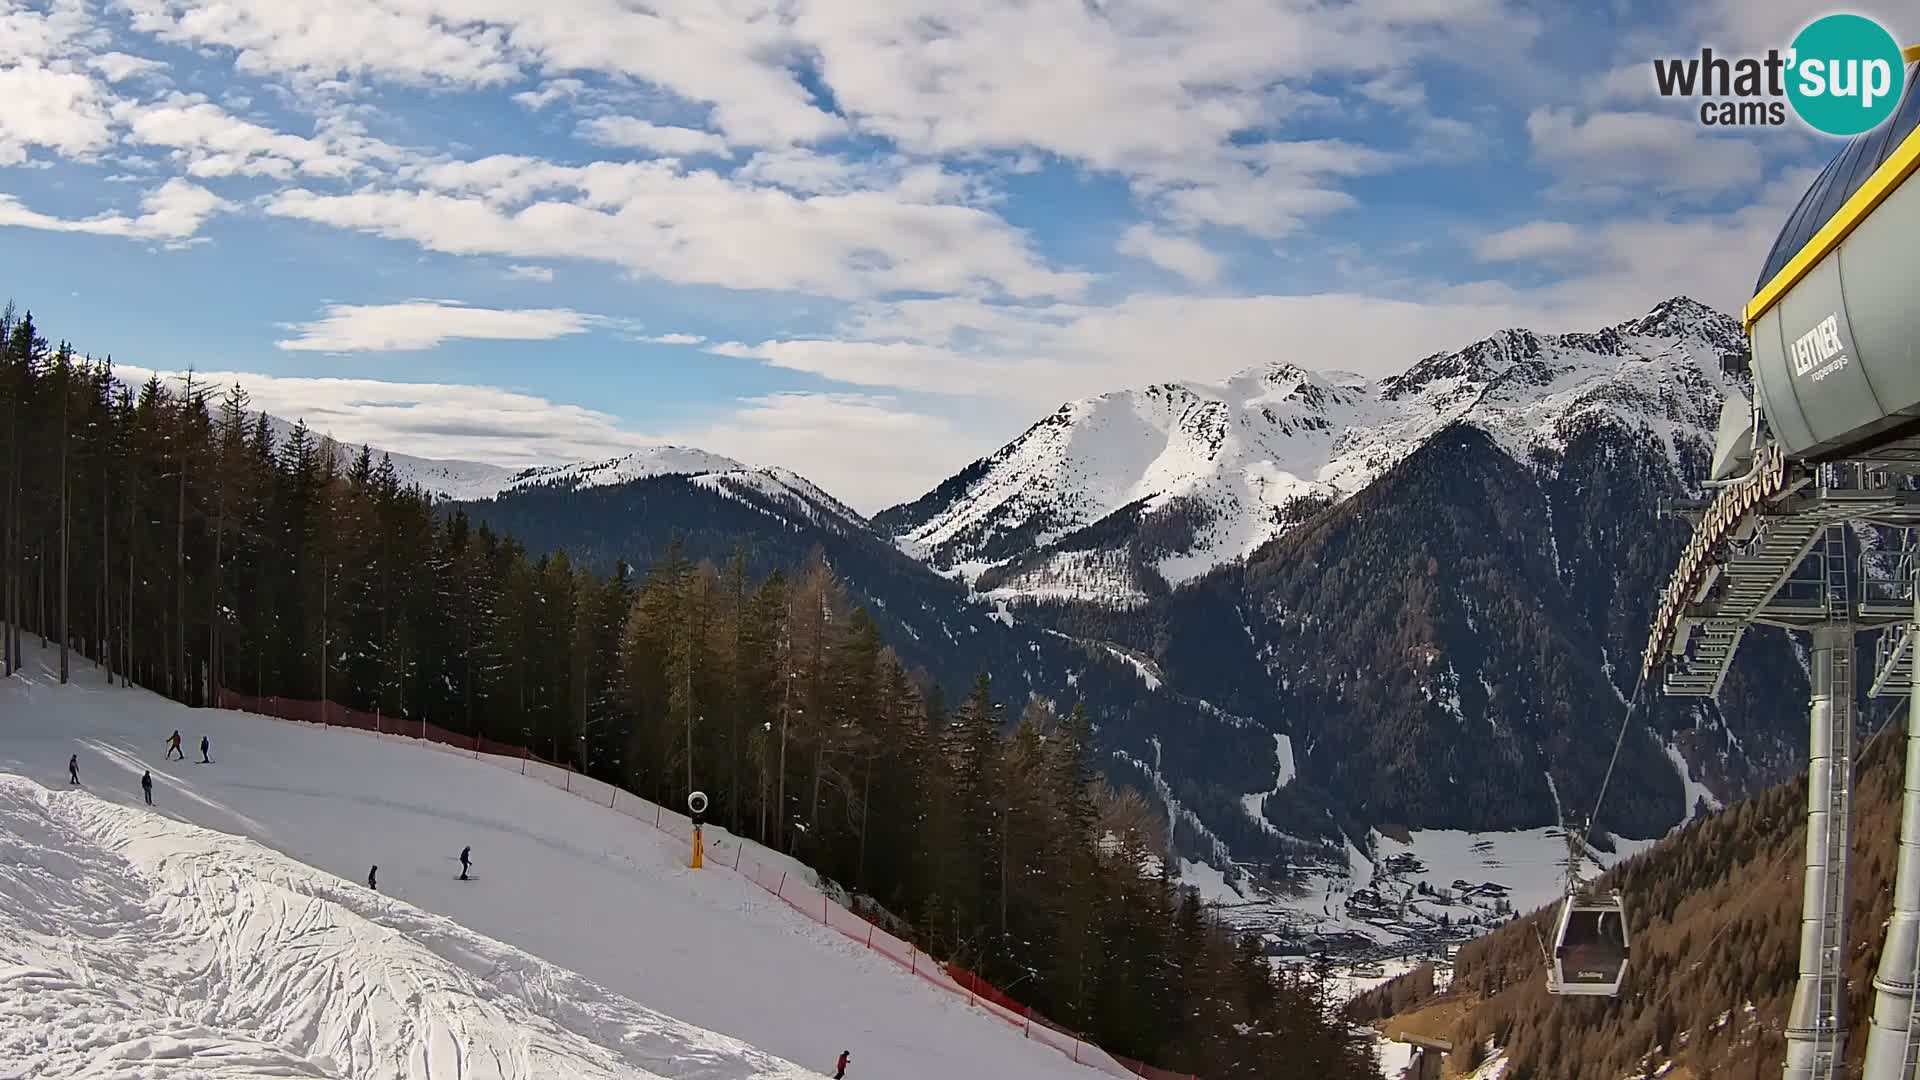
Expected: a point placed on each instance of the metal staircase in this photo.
(1752, 576)
(1893, 662)
(1893, 652)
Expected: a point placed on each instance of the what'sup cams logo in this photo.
(1842, 75)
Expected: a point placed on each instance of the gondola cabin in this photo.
(1589, 947)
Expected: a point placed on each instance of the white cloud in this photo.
(212, 142)
(828, 438)
(1608, 152)
(675, 339)
(1534, 241)
(1250, 205)
(62, 110)
(1040, 355)
(324, 39)
(1113, 85)
(555, 90)
(1269, 189)
(1394, 90)
(1760, 24)
(37, 35)
(641, 134)
(731, 57)
(1183, 256)
(530, 273)
(809, 172)
(424, 324)
(832, 440)
(118, 67)
(895, 364)
(433, 420)
(1159, 91)
(172, 212)
(696, 228)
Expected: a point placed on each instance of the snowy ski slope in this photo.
(574, 884)
(134, 944)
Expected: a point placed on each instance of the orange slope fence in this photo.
(724, 851)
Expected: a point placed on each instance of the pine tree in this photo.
(228, 559)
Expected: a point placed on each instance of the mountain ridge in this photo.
(1207, 473)
(1579, 436)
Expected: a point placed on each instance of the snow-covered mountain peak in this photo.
(1683, 316)
(635, 465)
(1187, 475)
(466, 481)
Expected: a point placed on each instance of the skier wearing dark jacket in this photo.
(466, 859)
(372, 879)
(146, 786)
(204, 759)
(73, 769)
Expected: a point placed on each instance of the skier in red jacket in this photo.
(840, 1067)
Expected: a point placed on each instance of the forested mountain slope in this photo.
(1455, 626)
(1715, 919)
(1151, 737)
(1443, 621)
(1441, 647)
(171, 539)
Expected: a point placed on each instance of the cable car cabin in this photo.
(1589, 947)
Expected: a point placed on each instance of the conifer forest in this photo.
(168, 536)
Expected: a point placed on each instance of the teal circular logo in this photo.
(1845, 74)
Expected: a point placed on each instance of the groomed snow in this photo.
(135, 944)
(1146, 673)
(1394, 1057)
(1256, 804)
(1343, 985)
(1530, 864)
(1695, 790)
(1209, 882)
(573, 883)
(1283, 758)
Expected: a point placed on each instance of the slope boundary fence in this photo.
(778, 875)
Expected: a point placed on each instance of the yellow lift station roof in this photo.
(1872, 166)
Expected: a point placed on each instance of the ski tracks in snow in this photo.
(132, 944)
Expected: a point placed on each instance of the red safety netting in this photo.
(722, 851)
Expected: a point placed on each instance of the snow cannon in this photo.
(697, 806)
(1834, 322)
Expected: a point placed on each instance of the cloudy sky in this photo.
(866, 240)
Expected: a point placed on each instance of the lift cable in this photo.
(1619, 741)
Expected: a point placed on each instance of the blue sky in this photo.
(866, 241)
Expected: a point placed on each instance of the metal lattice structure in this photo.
(1830, 444)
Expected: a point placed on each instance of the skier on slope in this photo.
(840, 1067)
(173, 746)
(204, 759)
(373, 878)
(146, 786)
(466, 860)
(73, 769)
